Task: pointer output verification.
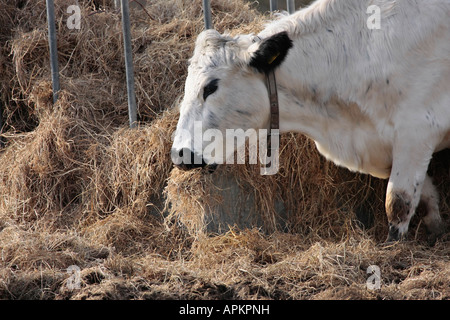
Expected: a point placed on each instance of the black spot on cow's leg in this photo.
(398, 207)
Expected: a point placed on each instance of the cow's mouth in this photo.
(210, 168)
(207, 168)
(192, 161)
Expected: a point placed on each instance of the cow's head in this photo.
(225, 90)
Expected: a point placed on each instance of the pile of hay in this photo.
(79, 152)
(78, 188)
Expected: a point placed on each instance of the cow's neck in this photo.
(305, 112)
(309, 96)
(341, 129)
(319, 75)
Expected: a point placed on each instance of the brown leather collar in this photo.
(274, 125)
(273, 99)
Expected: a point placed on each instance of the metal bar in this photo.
(290, 6)
(2, 143)
(273, 5)
(207, 14)
(53, 48)
(132, 113)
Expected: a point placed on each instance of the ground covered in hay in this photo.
(90, 209)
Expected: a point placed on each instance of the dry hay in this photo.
(80, 188)
(92, 58)
(317, 198)
(282, 266)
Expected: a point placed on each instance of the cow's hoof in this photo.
(394, 234)
(434, 235)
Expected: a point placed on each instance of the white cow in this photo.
(375, 101)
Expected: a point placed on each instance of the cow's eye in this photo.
(210, 88)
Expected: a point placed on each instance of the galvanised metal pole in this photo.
(207, 14)
(290, 6)
(273, 5)
(132, 113)
(53, 48)
(2, 144)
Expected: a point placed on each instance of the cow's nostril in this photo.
(176, 156)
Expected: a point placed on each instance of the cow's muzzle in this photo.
(185, 159)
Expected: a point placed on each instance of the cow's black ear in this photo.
(271, 52)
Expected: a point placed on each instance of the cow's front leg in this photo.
(409, 167)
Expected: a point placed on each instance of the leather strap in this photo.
(274, 112)
(273, 99)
